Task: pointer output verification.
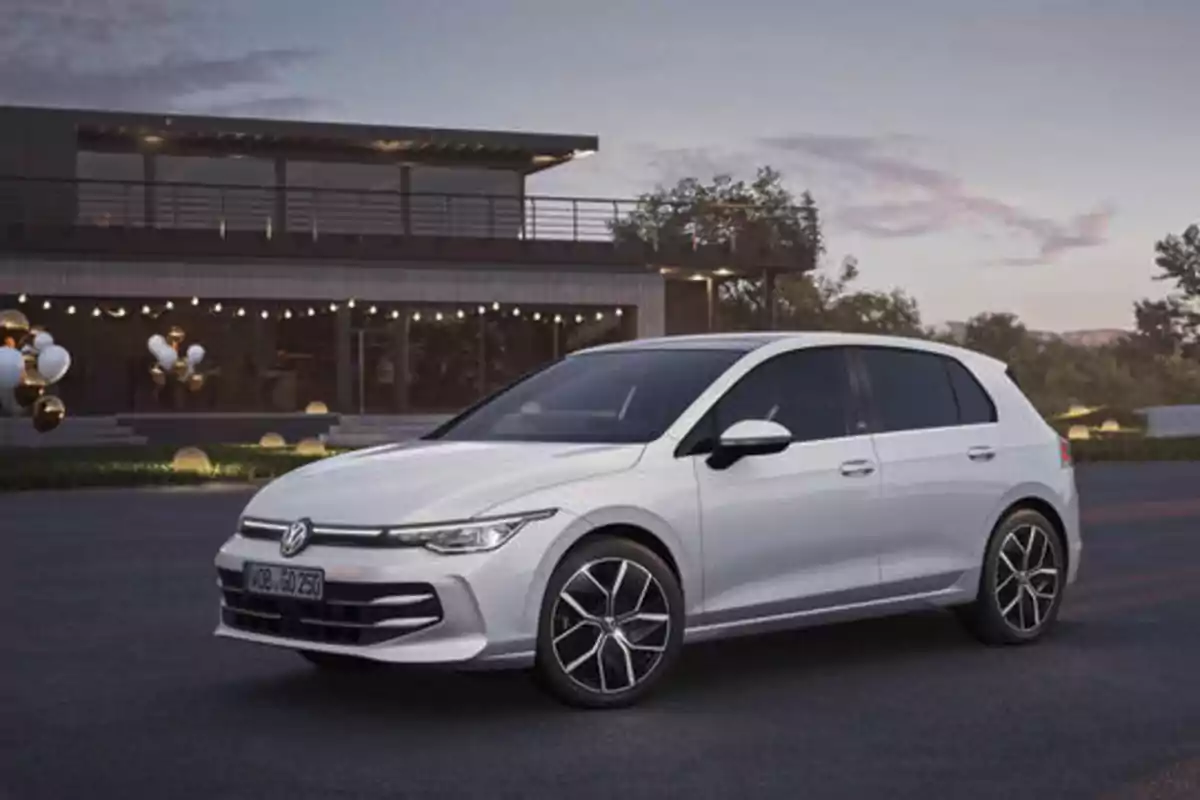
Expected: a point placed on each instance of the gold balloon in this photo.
(196, 382)
(48, 413)
(157, 375)
(175, 336)
(180, 370)
(13, 324)
(27, 392)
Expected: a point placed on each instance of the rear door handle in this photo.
(857, 468)
(981, 454)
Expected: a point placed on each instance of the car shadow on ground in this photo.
(706, 673)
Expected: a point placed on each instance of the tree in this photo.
(731, 213)
(1170, 326)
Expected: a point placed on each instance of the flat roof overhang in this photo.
(187, 133)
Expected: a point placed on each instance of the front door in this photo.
(793, 531)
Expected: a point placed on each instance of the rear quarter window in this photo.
(974, 405)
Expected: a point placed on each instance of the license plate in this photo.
(280, 581)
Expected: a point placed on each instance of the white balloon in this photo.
(154, 343)
(12, 366)
(41, 342)
(167, 360)
(53, 362)
(195, 354)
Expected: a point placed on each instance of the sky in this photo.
(1021, 156)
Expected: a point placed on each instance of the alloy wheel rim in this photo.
(1027, 578)
(610, 625)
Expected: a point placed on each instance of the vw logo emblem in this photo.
(295, 538)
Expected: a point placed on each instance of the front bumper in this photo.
(402, 605)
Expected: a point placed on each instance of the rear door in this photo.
(936, 436)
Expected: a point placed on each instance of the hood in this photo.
(430, 481)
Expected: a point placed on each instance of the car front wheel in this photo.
(1021, 589)
(611, 624)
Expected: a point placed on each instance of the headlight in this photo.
(468, 536)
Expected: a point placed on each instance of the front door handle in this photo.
(857, 468)
(981, 454)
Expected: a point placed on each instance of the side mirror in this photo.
(750, 437)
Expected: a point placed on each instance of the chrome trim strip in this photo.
(327, 530)
(412, 622)
(264, 525)
(259, 614)
(390, 600)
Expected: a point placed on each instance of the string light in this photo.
(482, 310)
(241, 312)
(417, 317)
(170, 306)
(438, 316)
(46, 306)
(96, 311)
(620, 313)
(333, 306)
(495, 306)
(287, 313)
(558, 319)
(372, 310)
(579, 317)
(516, 312)
(460, 314)
(22, 299)
(195, 301)
(599, 315)
(395, 314)
(146, 310)
(217, 308)
(70, 309)
(351, 303)
(312, 312)
(266, 314)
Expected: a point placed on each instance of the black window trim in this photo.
(875, 419)
(699, 440)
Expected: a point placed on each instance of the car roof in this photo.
(749, 341)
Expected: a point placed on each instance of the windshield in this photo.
(617, 397)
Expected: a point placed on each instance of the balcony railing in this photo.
(207, 214)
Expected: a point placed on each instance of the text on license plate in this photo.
(273, 579)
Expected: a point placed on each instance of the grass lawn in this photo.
(78, 467)
(71, 467)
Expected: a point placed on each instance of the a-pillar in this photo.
(342, 367)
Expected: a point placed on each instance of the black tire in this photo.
(630, 644)
(336, 662)
(985, 618)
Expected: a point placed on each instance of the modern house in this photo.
(371, 269)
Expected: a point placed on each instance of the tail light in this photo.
(1064, 452)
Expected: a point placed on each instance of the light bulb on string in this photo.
(265, 313)
(333, 306)
(516, 312)
(495, 306)
(70, 309)
(558, 319)
(195, 301)
(287, 313)
(460, 314)
(395, 314)
(579, 318)
(372, 310)
(312, 312)
(438, 316)
(96, 311)
(22, 298)
(241, 312)
(417, 316)
(620, 313)
(217, 308)
(146, 310)
(46, 306)
(482, 310)
(599, 315)
(537, 315)
(351, 303)
(169, 306)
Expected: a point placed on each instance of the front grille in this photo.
(349, 613)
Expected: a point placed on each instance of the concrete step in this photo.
(73, 432)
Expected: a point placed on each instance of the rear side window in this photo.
(974, 405)
(911, 390)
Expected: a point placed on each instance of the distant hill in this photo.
(1091, 337)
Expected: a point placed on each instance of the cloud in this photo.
(932, 200)
(129, 54)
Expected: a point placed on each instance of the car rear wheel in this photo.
(611, 625)
(1021, 589)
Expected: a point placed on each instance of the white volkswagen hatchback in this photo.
(590, 519)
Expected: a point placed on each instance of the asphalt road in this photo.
(112, 686)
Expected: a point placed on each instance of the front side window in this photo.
(614, 397)
(806, 391)
(910, 389)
